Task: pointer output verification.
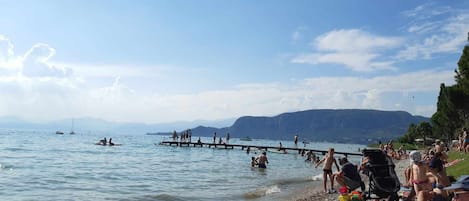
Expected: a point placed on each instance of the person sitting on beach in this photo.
(437, 171)
(110, 142)
(327, 169)
(349, 176)
(262, 160)
(253, 161)
(419, 178)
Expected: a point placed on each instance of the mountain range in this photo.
(344, 126)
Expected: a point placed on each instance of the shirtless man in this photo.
(262, 160)
(327, 169)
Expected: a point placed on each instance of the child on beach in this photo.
(327, 169)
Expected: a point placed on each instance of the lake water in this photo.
(45, 166)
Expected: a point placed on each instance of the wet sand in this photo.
(315, 193)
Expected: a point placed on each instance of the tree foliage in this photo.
(452, 108)
(453, 103)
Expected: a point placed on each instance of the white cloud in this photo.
(427, 10)
(439, 29)
(356, 49)
(53, 94)
(36, 63)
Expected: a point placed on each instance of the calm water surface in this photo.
(46, 166)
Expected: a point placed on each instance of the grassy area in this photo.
(461, 168)
(398, 144)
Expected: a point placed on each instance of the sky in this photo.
(169, 61)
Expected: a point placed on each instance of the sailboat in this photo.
(72, 132)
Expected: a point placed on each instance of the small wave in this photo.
(17, 149)
(6, 167)
(292, 181)
(159, 197)
(317, 177)
(263, 191)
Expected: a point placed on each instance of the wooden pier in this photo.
(244, 146)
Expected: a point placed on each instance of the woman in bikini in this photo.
(419, 178)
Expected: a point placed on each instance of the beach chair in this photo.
(383, 181)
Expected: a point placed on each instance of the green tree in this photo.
(446, 119)
(425, 130)
(411, 134)
(462, 83)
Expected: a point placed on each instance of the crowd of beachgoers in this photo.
(422, 174)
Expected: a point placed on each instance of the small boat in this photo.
(59, 132)
(100, 144)
(245, 138)
(72, 132)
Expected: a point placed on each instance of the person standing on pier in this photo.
(175, 135)
(227, 138)
(214, 137)
(295, 139)
(189, 133)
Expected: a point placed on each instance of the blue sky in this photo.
(165, 61)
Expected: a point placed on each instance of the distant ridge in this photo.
(344, 125)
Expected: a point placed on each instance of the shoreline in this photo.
(315, 193)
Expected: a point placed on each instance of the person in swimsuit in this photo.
(418, 177)
(110, 142)
(262, 160)
(253, 161)
(327, 169)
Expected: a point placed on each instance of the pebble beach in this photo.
(315, 193)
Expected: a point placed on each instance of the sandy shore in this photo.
(315, 193)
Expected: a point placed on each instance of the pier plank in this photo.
(244, 146)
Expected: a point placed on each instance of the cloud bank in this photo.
(38, 89)
(354, 48)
